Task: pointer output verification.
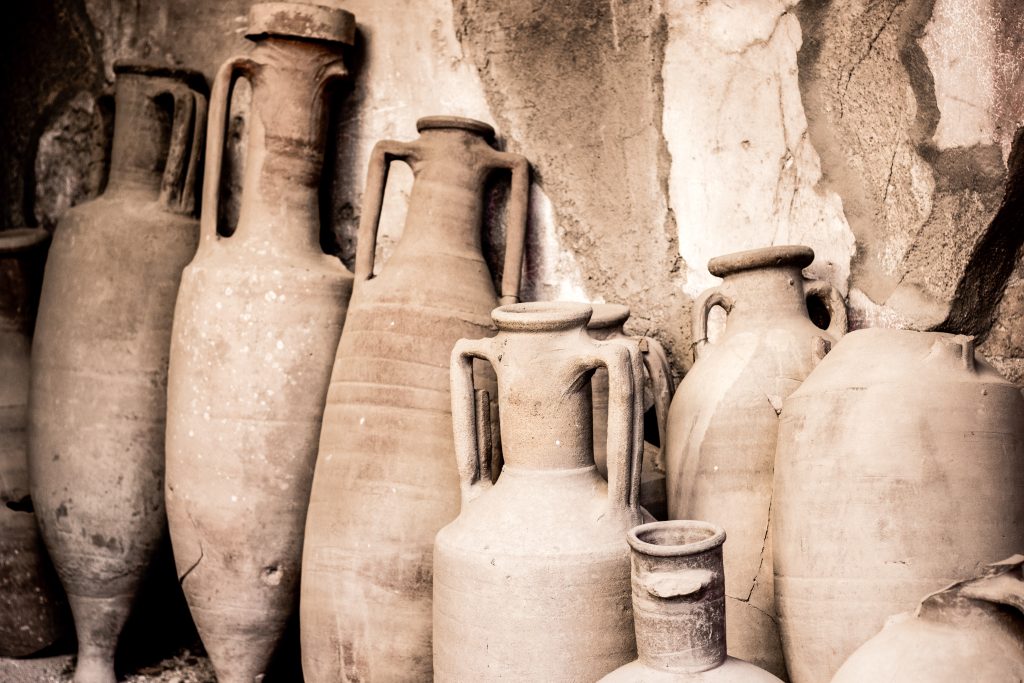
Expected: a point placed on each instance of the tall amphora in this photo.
(724, 419)
(531, 581)
(257, 322)
(32, 605)
(99, 358)
(385, 478)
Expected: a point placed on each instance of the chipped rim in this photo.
(608, 315)
(301, 21)
(714, 537)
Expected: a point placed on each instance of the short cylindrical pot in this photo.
(32, 605)
(724, 420)
(970, 631)
(257, 321)
(99, 358)
(386, 467)
(898, 469)
(679, 608)
(607, 323)
(531, 580)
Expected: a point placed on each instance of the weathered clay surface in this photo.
(881, 457)
(972, 630)
(678, 581)
(549, 536)
(99, 358)
(386, 466)
(257, 320)
(722, 429)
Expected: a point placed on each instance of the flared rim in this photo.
(608, 315)
(194, 79)
(456, 122)
(542, 316)
(675, 538)
(17, 240)
(301, 21)
(792, 255)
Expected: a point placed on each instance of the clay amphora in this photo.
(386, 468)
(970, 631)
(606, 323)
(531, 580)
(257, 321)
(722, 427)
(32, 604)
(99, 357)
(899, 466)
(679, 608)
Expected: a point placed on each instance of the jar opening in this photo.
(676, 538)
(455, 122)
(793, 255)
(541, 316)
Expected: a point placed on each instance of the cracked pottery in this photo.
(32, 604)
(678, 594)
(723, 423)
(385, 469)
(898, 471)
(606, 323)
(258, 318)
(99, 357)
(972, 631)
(531, 580)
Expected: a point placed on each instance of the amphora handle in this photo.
(178, 185)
(518, 214)
(471, 421)
(700, 312)
(384, 152)
(834, 304)
(662, 387)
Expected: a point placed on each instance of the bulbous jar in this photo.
(258, 319)
(607, 323)
(385, 468)
(679, 608)
(724, 419)
(531, 580)
(33, 610)
(972, 630)
(99, 358)
(898, 467)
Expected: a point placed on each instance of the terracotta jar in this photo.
(386, 469)
(257, 321)
(722, 428)
(99, 357)
(898, 467)
(970, 631)
(32, 604)
(531, 580)
(679, 608)
(607, 323)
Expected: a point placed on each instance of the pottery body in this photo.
(678, 592)
(385, 478)
(32, 604)
(898, 469)
(99, 357)
(970, 631)
(607, 323)
(537, 563)
(258, 318)
(723, 424)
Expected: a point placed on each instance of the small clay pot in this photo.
(971, 631)
(679, 608)
(33, 610)
(607, 323)
(531, 580)
(99, 358)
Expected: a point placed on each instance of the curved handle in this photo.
(220, 99)
(662, 387)
(384, 152)
(833, 302)
(621, 357)
(471, 420)
(518, 214)
(178, 185)
(701, 309)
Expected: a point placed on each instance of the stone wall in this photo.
(885, 134)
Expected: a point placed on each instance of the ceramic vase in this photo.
(679, 608)
(32, 604)
(531, 580)
(972, 630)
(720, 449)
(899, 465)
(385, 467)
(257, 320)
(99, 358)
(607, 323)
